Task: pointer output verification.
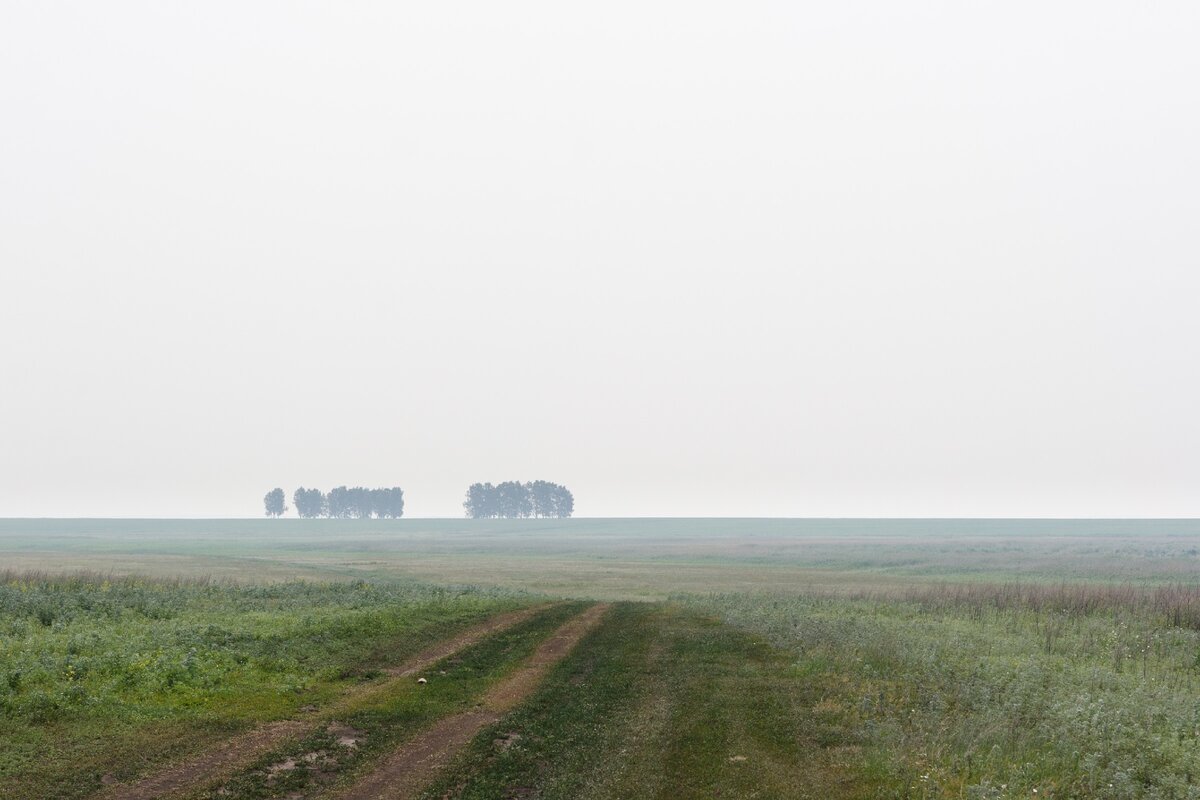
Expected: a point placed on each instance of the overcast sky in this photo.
(688, 258)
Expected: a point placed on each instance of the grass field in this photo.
(618, 558)
(742, 658)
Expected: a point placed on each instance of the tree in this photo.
(274, 502)
(542, 493)
(513, 500)
(481, 501)
(338, 503)
(343, 503)
(359, 503)
(564, 502)
(388, 503)
(310, 503)
(516, 500)
(551, 499)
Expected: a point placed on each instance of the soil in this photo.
(239, 751)
(413, 765)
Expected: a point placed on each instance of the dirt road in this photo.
(413, 765)
(233, 754)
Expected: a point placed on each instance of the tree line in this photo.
(341, 502)
(515, 500)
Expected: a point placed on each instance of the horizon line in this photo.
(596, 518)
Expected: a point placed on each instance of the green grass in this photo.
(786, 696)
(750, 658)
(661, 702)
(112, 676)
(389, 720)
(966, 700)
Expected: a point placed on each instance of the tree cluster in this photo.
(514, 500)
(341, 502)
(275, 503)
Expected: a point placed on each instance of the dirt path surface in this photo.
(411, 767)
(239, 751)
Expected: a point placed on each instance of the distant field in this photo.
(619, 558)
(832, 659)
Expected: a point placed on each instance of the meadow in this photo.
(739, 658)
(628, 559)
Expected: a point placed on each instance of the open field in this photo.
(739, 658)
(634, 559)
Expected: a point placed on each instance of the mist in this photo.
(701, 259)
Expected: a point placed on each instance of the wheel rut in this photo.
(412, 766)
(241, 750)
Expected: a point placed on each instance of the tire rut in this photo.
(414, 764)
(241, 750)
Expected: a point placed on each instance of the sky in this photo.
(687, 258)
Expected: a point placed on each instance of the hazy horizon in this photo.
(695, 260)
(553, 520)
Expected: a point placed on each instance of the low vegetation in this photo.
(1002, 691)
(776, 665)
(319, 763)
(98, 672)
(986, 692)
(662, 702)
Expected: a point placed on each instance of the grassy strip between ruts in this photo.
(663, 702)
(347, 746)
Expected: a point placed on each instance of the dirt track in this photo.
(237, 752)
(415, 763)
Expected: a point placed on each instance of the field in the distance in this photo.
(619, 558)
(739, 658)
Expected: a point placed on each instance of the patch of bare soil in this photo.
(344, 735)
(415, 763)
(198, 768)
(239, 751)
